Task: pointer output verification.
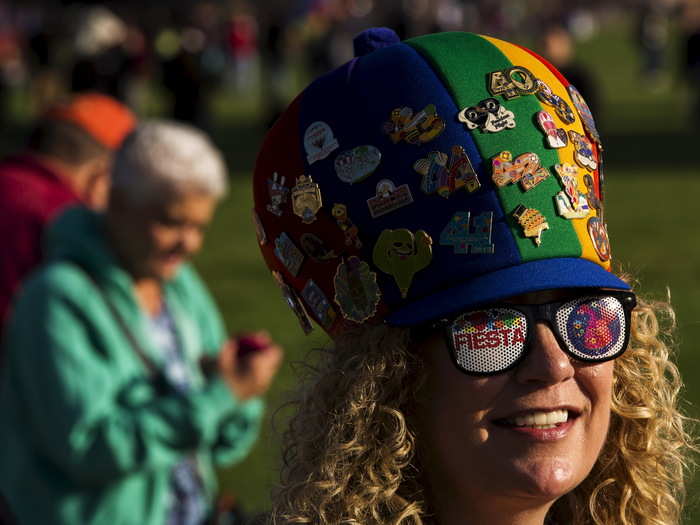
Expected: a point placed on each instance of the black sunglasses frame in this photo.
(534, 313)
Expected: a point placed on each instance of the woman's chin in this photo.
(171, 264)
(547, 479)
(163, 269)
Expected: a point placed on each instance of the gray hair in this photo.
(162, 156)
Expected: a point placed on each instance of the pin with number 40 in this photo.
(512, 82)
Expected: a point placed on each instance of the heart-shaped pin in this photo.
(357, 164)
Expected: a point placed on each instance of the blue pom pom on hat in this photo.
(373, 39)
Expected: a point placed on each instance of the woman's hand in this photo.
(248, 363)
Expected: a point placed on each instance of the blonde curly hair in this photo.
(350, 454)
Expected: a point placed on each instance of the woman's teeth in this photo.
(540, 419)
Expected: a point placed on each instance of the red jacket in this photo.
(30, 196)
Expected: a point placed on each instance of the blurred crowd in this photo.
(183, 51)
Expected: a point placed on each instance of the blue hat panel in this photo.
(355, 101)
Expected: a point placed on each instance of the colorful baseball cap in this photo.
(428, 176)
(104, 118)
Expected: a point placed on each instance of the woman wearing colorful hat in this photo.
(436, 206)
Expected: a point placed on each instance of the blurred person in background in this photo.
(193, 60)
(42, 54)
(652, 35)
(275, 71)
(185, 77)
(12, 66)
(67, 161)
(101, 60)
(557, 45)
(121, 393)
(691, 44)
(242, 36)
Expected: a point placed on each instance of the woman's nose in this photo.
(545, 362)
(190, 240)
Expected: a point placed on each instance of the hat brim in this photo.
(543, 274)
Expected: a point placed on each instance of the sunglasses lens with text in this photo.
(486, 341)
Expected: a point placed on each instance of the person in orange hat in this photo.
(66, 162)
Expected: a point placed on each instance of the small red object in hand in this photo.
(248, 344)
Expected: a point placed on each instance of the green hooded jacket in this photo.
(86, 437)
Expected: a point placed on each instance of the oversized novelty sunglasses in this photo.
(494, 338)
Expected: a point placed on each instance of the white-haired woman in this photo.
(120, 393)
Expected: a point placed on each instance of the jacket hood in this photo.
(78, 235)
